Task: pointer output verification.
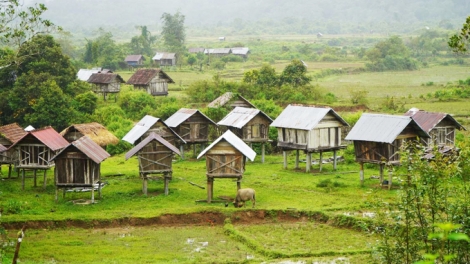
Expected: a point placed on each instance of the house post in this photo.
(284, 155)
(361, 173)
(296, 158)
(309, 162)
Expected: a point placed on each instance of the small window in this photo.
(255, 131)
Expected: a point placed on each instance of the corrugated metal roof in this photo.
(134, 58)
(196, 50)
(236, 142)
(303, 117)
(225, 98)
(89, 148)
(48, 136)
(428, 120)
(144, 76)
(143, 126)
(147, 140)
(182, 115)
(12, 132)
(221, 51)
(2, 148)
(382, 128)
(105, 78)
(164, 56)
(239, 116)
(240, 51)
(84, 74)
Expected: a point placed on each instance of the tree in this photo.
(142, 44)
(191, 60)
(390, 54)
(461, 42)
(295, 74)
(19, 26)
(173, 32)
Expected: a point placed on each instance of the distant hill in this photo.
(332, 16)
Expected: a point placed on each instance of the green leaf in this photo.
(436, 235)
(458, 236)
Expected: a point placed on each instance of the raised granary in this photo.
(153, 81)
(310, 129)
(9, 135)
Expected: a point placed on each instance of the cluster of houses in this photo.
(153, 81)
(78, 150)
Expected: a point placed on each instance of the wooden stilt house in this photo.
(225, 159)
(149, 124)
(378, 138)
(154, 81)
(310, 129)
(106, 83)
(79, 166)
(155, 156)
(9, 135)
(249, 124)
(231, 100)
(35, 150)
(95, 131)
(441, 127)
(192, 126)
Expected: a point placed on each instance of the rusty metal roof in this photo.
(382, 128)
(225, 98)
(303, 117)
(105, 78)
(239, 116)
(151, 137)
(89, 148)
(143, 126)
(182, 115)
(236, 142)
(144, 76)
(428, 120)
(134, 58)
(12, 132)
(47, 136)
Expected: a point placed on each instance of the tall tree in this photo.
(142, 44)
(173, 32)
(18, 25)
(461, 42)
(295, 74)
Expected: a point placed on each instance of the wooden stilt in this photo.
(45, 180)
(144, 185)
(239, 183)
(194, 150)
(99, 189)
(381, 174)
(210, 184)
(56, 194)
(321, 160)
(390, 178)
(22, 180)
(262, 152)
(309, 162)
(251, 146)
(166, 183)
(334, 159)
(296, 159)
(284, 155)
(35, 181)
(9, 171)
(182, 151)
(361, 173)
(92, 194)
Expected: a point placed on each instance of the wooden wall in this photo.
(256, 130)
(158, 86)
(34, 156)
(155, 158)
(375, 152)
(73, 168)
(223, 160)
(160, 129)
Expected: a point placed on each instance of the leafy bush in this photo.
(133, 103)
(358, 96)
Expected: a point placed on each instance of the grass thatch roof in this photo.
(95, 131)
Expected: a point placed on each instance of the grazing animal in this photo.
(244, 195)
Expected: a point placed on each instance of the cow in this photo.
(244, 195)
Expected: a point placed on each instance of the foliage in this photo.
(136, 104)
(103, 51)
(358, 97)
(173, 32)
(433, 191)
(166, 107)
(390, 54)
(295, 74)
(142, 44)
(460, 42)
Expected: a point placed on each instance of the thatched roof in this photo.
(95, 131)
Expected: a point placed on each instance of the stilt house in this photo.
(154, 81)
(79, 165)
(35, 150)
(191, 125)
(249, 124)
(378, 138)
(135, 60)
(95, 131)
(106, 83)
(155, 156)
(231, 100)
(9, 135)
(225, 159)
(150, 124)
(310, 129)
(441, 127)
